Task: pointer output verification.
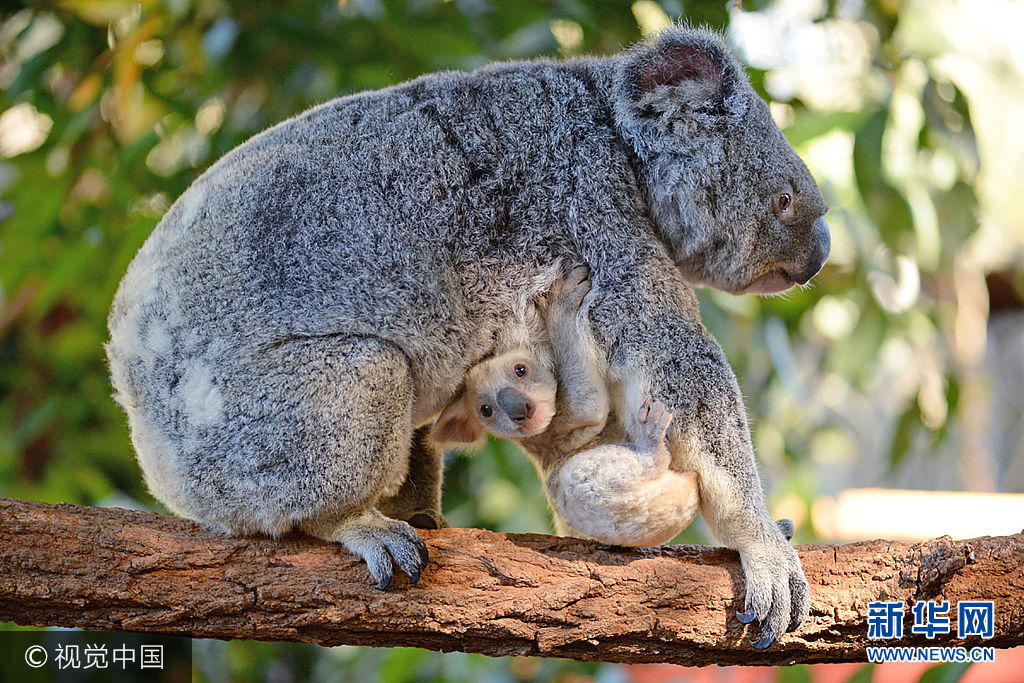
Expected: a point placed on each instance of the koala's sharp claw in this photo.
(385, 581)
(801, 606)
(763, 643)
(645, 410)
(424, 554)
(409, 550)
(383, 543)
(746, 617)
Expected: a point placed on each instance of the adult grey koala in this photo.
(313, 300)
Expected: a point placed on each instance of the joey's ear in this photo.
(456, 426)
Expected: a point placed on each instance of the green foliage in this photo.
(951, 672)
(863, 675)
(798, 673)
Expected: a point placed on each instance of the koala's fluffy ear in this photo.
(457, 426)
(687, 66)
(682, 78)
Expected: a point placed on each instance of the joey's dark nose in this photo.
(817, 254)
(516, 405)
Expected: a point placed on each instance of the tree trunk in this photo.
(497, 594)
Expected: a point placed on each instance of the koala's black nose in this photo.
(821, 244)
(517, 406)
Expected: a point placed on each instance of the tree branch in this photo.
(497, 594)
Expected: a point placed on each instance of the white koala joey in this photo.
(622, 494)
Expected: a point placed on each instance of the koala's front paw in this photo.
(655, 417)
(777, 592)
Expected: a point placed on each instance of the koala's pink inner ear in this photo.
(676, 64)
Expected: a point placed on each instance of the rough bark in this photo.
(498, 594)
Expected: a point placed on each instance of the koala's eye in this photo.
(520, 370)
(783, 201)
(486, 410)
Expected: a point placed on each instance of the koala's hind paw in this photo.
(382, 542)
(777, 592)
(427, 519)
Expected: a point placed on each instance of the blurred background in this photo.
(893, 381)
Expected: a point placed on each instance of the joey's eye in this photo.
(486, 410)
(520, 370)
(783, 201)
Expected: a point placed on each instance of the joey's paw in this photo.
(577, 286)
(655, 417)
(787, 528)
(777, 594)
(567, 294)
(578, 278)
(384, 543)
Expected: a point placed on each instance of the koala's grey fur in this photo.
(320, 292)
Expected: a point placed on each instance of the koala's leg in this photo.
(661, 349)
(582, 385)
(339, 411)
(625, 494)
(418, 502)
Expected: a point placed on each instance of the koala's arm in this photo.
(582, 382)
(649, 321)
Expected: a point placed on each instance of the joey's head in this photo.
(730, 198)
(511, 395)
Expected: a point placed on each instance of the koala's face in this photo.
(511, 395)
(732, 200)
(764, 227)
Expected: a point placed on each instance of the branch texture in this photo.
(497, 594)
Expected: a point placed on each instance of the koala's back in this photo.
(335, 220)
(391, 214)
